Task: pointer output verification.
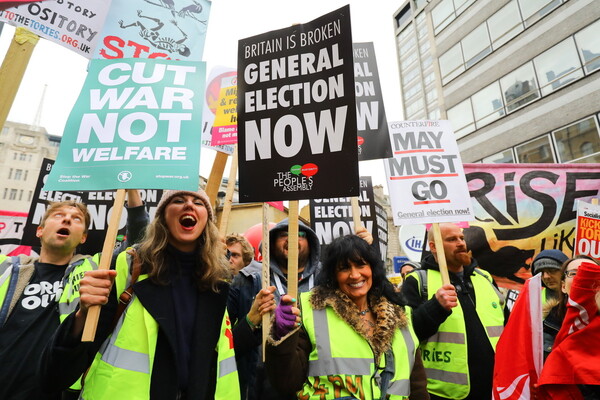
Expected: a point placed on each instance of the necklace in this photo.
(364, 312)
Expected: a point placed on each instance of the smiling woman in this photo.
(354, 330)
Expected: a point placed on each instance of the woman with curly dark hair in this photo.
(350, 337)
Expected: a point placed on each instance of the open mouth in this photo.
(63, 232)
(187, 221)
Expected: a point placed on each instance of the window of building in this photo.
(23, 157)
(13, 194)
(503, 157)
(536, 151)
(404, 15)
(578, 140)
(431, 95)
(408, 46)
(420, 4)
(406, 33)
(505, 24)
(451, 64)
(533, 10)
(18, 174)
(424, 48)
(414, 108)
(429, 78)
(5, 193)
(10, 173)
(476, 45)
(434, 114)
(558, 66)
(410, 58)
(519, 87)
(427, 61)
(412, 91)
(20, 194)
(461, 118)
(26, 174)
(588, 44)
(442, 15)
(29, 195)
(461, 5)
(487, 105)
(409, 76)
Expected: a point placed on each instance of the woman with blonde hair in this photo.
(173, 340)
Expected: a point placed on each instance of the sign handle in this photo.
(229, 195)
(91, 321)
(214, 179)
(266, 273)
(292, 273)
(13, 68)
(355, 213)
(441, 257)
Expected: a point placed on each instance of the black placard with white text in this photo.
(297, 112)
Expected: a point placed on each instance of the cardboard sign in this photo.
(332, 218)
(587, 239)
(224, 129)
(99, 206)
(297, 112)
(371, 123)
(425, 177)
(135, 125)
(74, 24)
(154, 29)
(211, 102)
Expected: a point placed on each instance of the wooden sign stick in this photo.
(215, 177)
(266, 273)
(91, 321)
(441, 256)
(355, 213)
(292, 272)
(229, 194)
(13, 68)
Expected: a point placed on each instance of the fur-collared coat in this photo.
(287, 358)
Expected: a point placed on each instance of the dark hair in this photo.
(562, 297)
(352, 248)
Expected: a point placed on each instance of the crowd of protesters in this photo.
(182, 310)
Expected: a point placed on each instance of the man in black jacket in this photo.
(458, 323)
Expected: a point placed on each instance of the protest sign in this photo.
(297, 112)
(371, 123)
(224, 130)
(425, 177)
(522, 209)
(74, 24)
(587, 238)
(154, 29)
(136, 124)
(99, 204)
(12, 224)
(332, 217)
(211, 102)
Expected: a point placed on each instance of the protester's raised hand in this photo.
(94, 288)
(446, 296)
(364, 234)
(287, 317)
(263, 303)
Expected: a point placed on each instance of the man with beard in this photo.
(458, 323)
(247, 303)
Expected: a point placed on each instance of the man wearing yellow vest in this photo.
(459, 323)
(37, 293)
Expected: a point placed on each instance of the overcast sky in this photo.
(64, 72)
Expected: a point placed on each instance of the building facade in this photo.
(518, 79)
(22, 149)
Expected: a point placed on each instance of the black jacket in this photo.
(66, 358)
(429, 315)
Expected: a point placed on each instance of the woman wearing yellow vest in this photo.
(350, 337)
(174, 340)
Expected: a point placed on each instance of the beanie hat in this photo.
(169, 194)
(548, 259)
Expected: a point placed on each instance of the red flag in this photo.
(575, 357)
(519, 353)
